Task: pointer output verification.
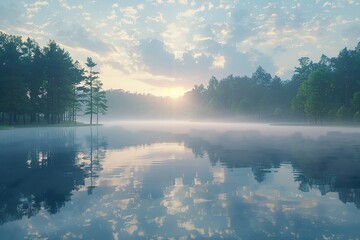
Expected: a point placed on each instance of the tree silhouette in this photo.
(37, 83)
(95, 98)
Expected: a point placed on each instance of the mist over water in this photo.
(164, 179)
(180, 126)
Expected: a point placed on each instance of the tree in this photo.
(34, 77)
(356, 105)
(36, 82)
(89, 87)
(346, 68)
(93, 91)
(317, 93)
(59, 82)
(99, 100)
(13, 98)
(261, 77)
(77, 95)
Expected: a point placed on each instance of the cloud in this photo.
(191, 12)
(161, 62)
(141, 6)
(225, 5)
(66, 5)
(35, 7)
(195, 39)
(238, 27)
(87, 16)
(352, 32)
(156, 57)
(113, 15)
(129, 11)
(238, 63)
(177, 38)
(130, 15)
(140, 81)
(40, 3)
(78, 36)
(158, 19)
(36, 31)
(10, 14)
(220, 60)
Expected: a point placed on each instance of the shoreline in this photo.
(289, 124)
(9, 127)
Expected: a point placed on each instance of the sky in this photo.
(165, 47)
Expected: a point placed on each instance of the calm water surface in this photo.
(180, 180)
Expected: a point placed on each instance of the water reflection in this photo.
(95, 152)
(38, 173)
(111, 183)
(40, 169)
(330, 163)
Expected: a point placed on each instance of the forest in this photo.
(328, 90)
(318, 92)
(44, 85)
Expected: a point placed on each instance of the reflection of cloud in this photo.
(131, 229)
(158, 220)
(201, 200)
(173, 198)
(191, 227)
(124, 203)
(197, 181)
(131, 224)
(218, 175)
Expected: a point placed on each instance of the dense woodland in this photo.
(44, 84)
(324, 91)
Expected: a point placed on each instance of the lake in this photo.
(180, 180)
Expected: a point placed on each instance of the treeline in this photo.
(328, 90)
(44, 84)
(324, 91)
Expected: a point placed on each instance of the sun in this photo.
(175, 92)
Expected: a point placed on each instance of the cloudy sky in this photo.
(164, 47)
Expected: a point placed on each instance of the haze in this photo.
(179, 119)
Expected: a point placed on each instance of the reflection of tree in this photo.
(96, 154)
(329, 163)
(254, 153)
(38, 172)
(119, 138)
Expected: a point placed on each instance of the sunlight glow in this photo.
(174, 92)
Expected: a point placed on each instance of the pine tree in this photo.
(99, 100)
(88, 88)
(95, 97)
